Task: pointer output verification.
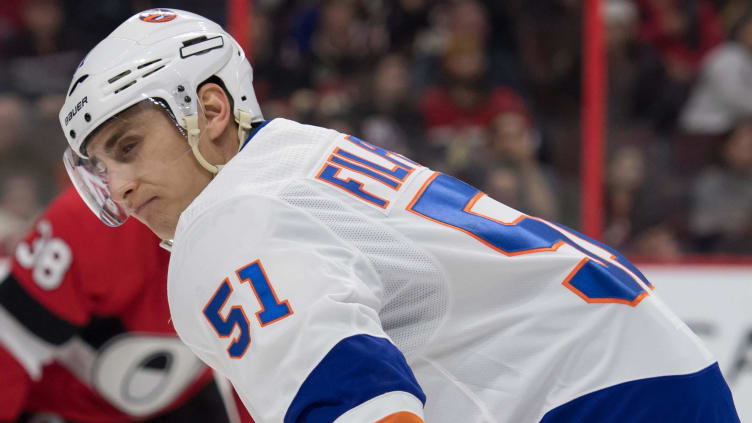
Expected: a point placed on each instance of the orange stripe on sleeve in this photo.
(401, 417)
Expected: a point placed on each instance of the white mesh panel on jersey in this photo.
(415, 292)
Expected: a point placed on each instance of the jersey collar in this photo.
(255, 130)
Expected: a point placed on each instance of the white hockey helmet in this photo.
(162, 55)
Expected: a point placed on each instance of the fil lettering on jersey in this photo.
(368, 172)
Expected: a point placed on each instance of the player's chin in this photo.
(162, 225)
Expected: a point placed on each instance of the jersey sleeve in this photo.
(288, 312)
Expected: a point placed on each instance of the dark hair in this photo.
(214, 79)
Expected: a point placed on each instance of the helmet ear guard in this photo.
(156, 54)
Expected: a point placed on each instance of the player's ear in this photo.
(215, 108)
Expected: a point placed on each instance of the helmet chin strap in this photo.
(191, 125)
(244, 127)
(243, 120)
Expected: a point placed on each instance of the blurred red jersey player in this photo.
(85, 330)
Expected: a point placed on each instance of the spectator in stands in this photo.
(449, 22)
(37, 58)
(458, 113)
(406, 20)
(729, 12)
(682, 31)
(343, 45)
(659, 242)
(516, 175)
(42, 27)
(549, 37)
(679, 33)
(645, 203)
(19, 206)
(721, 209)
(470, 17)
(723, 93)
(721, 96)
(625, 175)
(12, 121)
(29, 146)
(389, 115)
(622, 54)
(10, 19)
(550, 48)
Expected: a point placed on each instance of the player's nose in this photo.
(122, 188)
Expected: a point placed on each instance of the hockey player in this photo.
(332, 280)
(85, 331)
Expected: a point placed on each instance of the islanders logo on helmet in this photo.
(158, 15)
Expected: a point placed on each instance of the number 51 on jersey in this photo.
(272, 309)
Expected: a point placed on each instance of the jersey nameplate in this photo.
(371, 174)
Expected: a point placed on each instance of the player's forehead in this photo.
(140, 118)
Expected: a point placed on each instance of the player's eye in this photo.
(126, 149)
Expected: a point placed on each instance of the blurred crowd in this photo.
(488, 91)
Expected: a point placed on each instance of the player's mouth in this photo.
(138, 210)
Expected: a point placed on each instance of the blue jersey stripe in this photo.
(357, 369)
(253, 132)
(619, 256)
(701, 397)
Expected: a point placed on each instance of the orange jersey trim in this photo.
(401, 417)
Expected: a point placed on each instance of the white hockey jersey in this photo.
(330, 279)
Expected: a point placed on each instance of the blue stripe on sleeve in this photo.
(701, 397)
(355, 370)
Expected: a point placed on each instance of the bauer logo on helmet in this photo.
(80, 105)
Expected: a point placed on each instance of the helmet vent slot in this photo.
(200, 45)
(193, 41)
(125, 86)
(152, 71)
(119, 76)
(78, 81)
(148, 63)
